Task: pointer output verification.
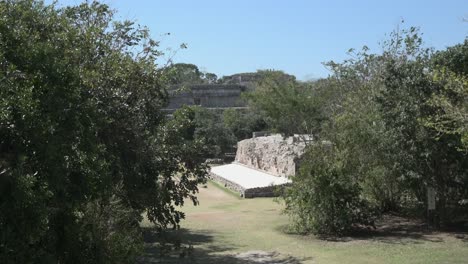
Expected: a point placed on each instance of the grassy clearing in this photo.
(224, 225)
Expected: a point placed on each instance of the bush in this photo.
(324, 198)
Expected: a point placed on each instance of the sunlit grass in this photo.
(224, 224)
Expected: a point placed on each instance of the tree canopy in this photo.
(387, 126)
(186, 74)
(84, 147)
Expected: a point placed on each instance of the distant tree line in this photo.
(187, 74)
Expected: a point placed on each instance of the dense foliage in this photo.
(211, 131)
(396, 123)
(452, 99)
(325, 198)
(84, 147)
(188, 74)
(288, 106)
(218, 131)
(242, 123)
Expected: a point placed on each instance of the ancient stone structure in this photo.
(262, 164)
(272, 154)
(246, 181)
(247, 79)
(224, 94)
(206, 95)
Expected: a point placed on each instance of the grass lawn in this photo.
(224, 226)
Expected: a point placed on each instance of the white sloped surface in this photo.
(247, 177)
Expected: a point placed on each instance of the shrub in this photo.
(324, 198)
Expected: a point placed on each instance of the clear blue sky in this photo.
(227, 37)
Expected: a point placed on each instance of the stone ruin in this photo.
(206, 95)
(262, 164)
(272, 154)
(226, 93)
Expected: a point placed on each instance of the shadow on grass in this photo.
(400, 230)
(183, 246)
(395, 230)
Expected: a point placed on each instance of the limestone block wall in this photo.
(273, 154)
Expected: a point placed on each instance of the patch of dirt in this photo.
(391, 225)
(395, 229)
(264, 257)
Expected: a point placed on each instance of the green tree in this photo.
(325, 197)
(290, 106)
(84, 147)
(243, 122)
(387, 136)
(425, 158)
(186, 74)
(455, 58)
(452, 101)
(210, 78)
(210, 129)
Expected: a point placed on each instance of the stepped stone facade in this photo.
(207, 95)
(272, 154)
(224, 94)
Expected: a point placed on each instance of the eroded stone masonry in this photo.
(272, 154)
(261, 165)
